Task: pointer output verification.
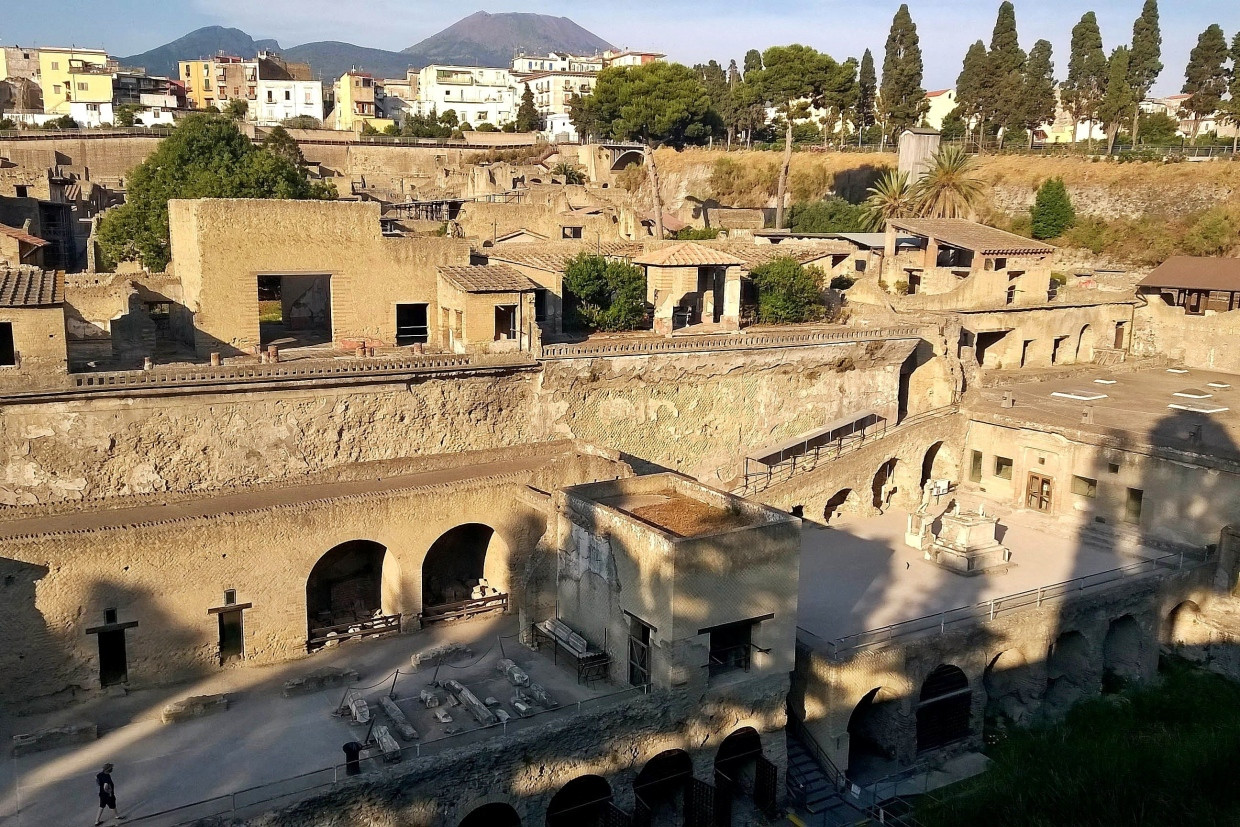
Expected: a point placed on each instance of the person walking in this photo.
(107, 794)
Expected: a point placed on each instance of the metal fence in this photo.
(738, 341)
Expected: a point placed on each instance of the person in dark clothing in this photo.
(107, 794)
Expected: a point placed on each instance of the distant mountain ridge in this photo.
(481, 39)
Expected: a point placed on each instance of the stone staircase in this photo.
(817, 796)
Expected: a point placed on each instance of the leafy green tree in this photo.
(793, 80)
(867, 91)
(1159, 128)
(528, 119)
(1083, 88)
(282, 145)
(302, 122)
(236, 109)
(125, 115)
(63, 122)
(1005, 72)
(903, 98)
(205, 157)
(368, 129)
(971, 87)
(1052, 212)
(753, 62)
(1038, 99)
(7, 125)
(1205, 77)
(1120, 97)
(788, 293)
(1144, 58)
(604, 294)
(486, 126)
(449, 119)
(1231, 106)
(951, 187)
(658, 104)
(952, 127)
(892, 196)
(831, 215)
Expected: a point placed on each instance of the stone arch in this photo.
(1069, 671)
(495, 814)
(628, 158)
(661, 786)
(928, 462)
(1183, 626)
(871, 730)
(582, 802)
(836, 505)
(353, 581)
(1011, 688)
(883, 485)
(1122, 652)
(455, 563)
(1085, 344)
(944, 708)
(736, 760)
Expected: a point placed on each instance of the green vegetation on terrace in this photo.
(1163, 754)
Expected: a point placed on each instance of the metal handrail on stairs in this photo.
(799, 731)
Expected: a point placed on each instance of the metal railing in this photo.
(997, 607)
(738, 341)
(833, 773)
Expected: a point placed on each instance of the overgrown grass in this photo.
(270, 311)
(1158, 755)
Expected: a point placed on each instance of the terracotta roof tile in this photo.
(1195, 273)
(30, 287)
(554, 256)
(487, 278)
(21, 235)
(688, 254)
(969, 235)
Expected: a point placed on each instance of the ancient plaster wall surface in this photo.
(1081, 330)
(1196, 341)
(1022, 685)
(105, 158)
(38, 338)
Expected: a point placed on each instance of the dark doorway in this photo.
(346, 585)
(1038, 494)
(1056, 349)
(455, 564)
(582, 802)
(736, 762)
(834, 505)
(294, 311)
(8, 352)
(495, 814)
(232, 636)
(1024, 352)
(639, 652)
(871, 723)
(883, 487)
(1119, 335)
(113, 666)
(987, 340)
(412, 325)
(661, 786)
(927, 464)
(944, 708)
(505, 322)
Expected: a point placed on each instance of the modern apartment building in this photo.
(477, 95)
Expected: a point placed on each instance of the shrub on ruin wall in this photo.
(1052, 212)
(603, 294)
(788, 293)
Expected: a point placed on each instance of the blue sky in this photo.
(687, 31)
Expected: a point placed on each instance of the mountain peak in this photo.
(486, 39)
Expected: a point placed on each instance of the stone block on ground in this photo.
(387, 744)
(440, 654)
(318, 680)
(400, 721)
(195, 707)
(54, 737)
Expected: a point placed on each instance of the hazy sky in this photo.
(687, 31)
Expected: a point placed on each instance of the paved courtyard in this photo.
(263, 737)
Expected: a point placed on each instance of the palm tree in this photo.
(890, 197)
(569, 173)
(950, 188)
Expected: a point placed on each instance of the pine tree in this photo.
(970, 87)
(1231, 107)
(1120, 96)
(753, 62)
(1205, 78)
(527, 114)
(1052, 211)
(903, 98)
(1145, 56)
(867, 87)
(1038, 98)
(1005, 69)
(1085, 84)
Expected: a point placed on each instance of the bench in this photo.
(592, 663)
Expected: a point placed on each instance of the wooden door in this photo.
(1119, 335)
(1038, 494)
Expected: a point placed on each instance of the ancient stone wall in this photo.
(104, 157)
(1195, 341)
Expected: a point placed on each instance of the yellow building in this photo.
(199, 89)
(67, 75)
(355, 103)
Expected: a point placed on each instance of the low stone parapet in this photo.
(54, 737)
(318, 680)
(196, 707)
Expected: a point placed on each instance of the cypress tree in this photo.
(1052, 210)
(971, 87)
(527, 114)
(1231, 107)
(1145, 56)
(903, 98)
(1204, 77)
(1038, 98)
(1087, 73)
(753, 62)
(867, 87)
(1120, 96)
(1005, 71)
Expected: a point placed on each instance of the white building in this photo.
(477, 95)
(279, 100)
(535, 64)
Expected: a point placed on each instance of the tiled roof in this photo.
(487, 278)
(554, 256)
(688, 254)
(969, 235)
(30, 287)
(21, 235)
(802, 251)
(1196, 273)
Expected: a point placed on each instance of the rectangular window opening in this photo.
(8, 352)
(1132, 506)
(1084, 486)
(1003, 467)
(412, 324)
(975, 467)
